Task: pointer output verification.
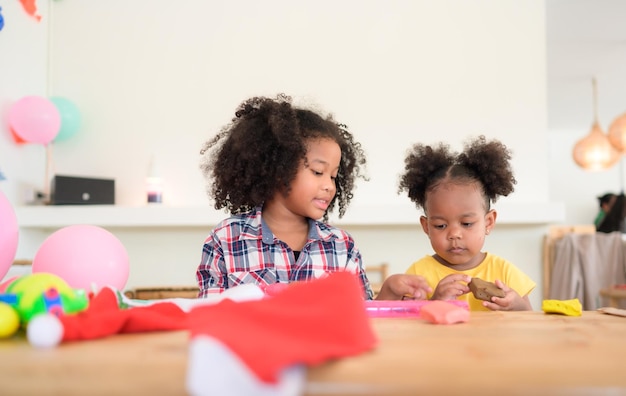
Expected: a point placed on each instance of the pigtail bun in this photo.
(424, 163)
(490, 162)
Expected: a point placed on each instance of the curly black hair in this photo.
(483, 162)
(614, 219)
(259, 152)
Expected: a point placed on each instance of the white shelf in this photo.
(159, 216)
(117, 216)
(408, 214)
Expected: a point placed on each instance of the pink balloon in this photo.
(84, 256)
(35, 119)
(9, 233)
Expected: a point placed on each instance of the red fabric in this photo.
(308, 322)
(103, 317)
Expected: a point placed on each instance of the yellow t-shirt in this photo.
(492, 268)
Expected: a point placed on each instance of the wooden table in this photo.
(504, 353)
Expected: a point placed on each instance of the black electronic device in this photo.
(71, 190)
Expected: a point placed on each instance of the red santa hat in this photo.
(305, 324)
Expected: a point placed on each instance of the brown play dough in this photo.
(484, 290)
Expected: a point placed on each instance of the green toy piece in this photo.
(38, 293)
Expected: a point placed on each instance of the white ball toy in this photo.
(44, 331)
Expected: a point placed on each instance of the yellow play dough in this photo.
(565, 307)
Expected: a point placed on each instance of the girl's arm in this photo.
(209, 275)
(397, 286)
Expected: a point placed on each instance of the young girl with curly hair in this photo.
(278, 170)
(455, 192)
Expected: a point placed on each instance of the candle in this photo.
(154, 189)
(154, 184)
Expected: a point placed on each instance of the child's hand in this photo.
(397, 286)
(510, 302)
(452, 286)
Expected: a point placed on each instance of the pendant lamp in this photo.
(595, 151)
(617, 133)
(617, 137)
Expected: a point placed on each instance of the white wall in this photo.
(577, 187)
(164, 79)
(153, 78)
(578, 52)
(23, 71)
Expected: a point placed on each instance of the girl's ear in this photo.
(490, 220)
(424, 223)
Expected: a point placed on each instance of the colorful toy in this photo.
(9, 320)
(40, 293)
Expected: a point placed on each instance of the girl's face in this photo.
(456, 224)
(314, 185)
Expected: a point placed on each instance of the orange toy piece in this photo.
(442, 312)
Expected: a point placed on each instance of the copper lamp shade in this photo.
(595, 151)
(617, 133)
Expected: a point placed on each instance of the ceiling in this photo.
(585, 39)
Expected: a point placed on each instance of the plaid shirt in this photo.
(242, 249)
